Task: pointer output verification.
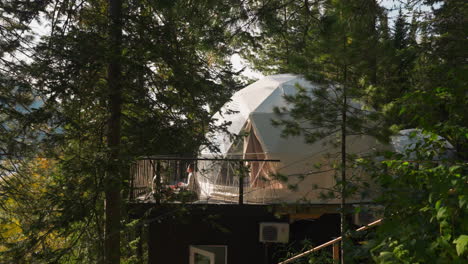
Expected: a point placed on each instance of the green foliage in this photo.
(413, 75)
(289, 250)
(461, 245)
(41, 219)
(433, 72)
(425, 207)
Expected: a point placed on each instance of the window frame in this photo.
(193, 249)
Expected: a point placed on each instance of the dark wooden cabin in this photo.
(184, 229)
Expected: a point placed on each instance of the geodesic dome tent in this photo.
(253, 111)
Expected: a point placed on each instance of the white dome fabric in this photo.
(254, 106)
(254, 101)
(407, 139)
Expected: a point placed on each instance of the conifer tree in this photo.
(174, 61)
(336, 45)
(439, 75)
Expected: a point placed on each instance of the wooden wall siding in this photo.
(237, 227)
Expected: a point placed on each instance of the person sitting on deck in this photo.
(190, 178)
(154, 184)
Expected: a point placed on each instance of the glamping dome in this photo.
(296, 177)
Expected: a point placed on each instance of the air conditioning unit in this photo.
(274, 232)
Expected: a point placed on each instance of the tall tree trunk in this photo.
(373, 55)
(343, 157)
(113, 177)
(343, 174)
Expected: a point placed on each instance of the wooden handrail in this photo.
(331, 242)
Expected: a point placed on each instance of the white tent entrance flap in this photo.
(251, 113)
(224, 180)
(260, 173)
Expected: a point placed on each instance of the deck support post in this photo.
(158, 182)
(241, 183)
(336, 252)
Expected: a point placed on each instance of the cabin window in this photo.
(208, 254)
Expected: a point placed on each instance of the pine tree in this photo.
(441, 74)
(174, 61)
(339, 51)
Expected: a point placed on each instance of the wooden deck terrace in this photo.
(166, 179)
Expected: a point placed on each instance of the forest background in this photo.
(113, 80)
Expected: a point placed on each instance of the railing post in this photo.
(241, 183)
(336, 253)
(131, 195)
(158, 182)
